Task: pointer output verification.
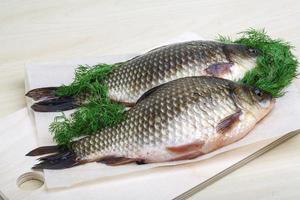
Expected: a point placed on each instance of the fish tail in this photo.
(44, 150)
(42, 93)
(60, 158)
(55, 105)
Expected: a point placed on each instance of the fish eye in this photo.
(253, 52)
(258, 92)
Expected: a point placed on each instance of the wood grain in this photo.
(36, 31)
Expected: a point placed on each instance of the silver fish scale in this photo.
(162, 65)
(177, 113)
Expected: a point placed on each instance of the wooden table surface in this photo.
(37, 31)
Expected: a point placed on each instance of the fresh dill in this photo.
(98, 111)
(276, 66)
(86, 120)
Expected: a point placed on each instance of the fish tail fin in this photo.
(57, 104)
(42, 93)
(44, 150)
(61, 159)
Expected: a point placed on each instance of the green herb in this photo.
(276, 66)
(86, 120)
(88, 80)
(97, 113)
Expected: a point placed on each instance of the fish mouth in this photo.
(269, 101)
(272, 103)
(264, 111)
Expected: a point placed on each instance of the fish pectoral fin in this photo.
(185, 148)
(229, 122)
(115, 160)
(219, 69)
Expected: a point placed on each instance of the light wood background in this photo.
(37, 31)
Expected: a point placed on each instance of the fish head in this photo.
(254, 101)
(243, 57)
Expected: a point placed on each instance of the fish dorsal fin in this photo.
(138, 56)
(149, 92)
(158, 48)
(229, 122)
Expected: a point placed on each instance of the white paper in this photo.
(281, 120)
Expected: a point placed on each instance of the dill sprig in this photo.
(86, 120)
(276, 66)
(98, 111)
(88, 79)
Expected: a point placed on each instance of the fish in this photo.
(179, 120)
(132, 78)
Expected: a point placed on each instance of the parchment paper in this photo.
(282, 119)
